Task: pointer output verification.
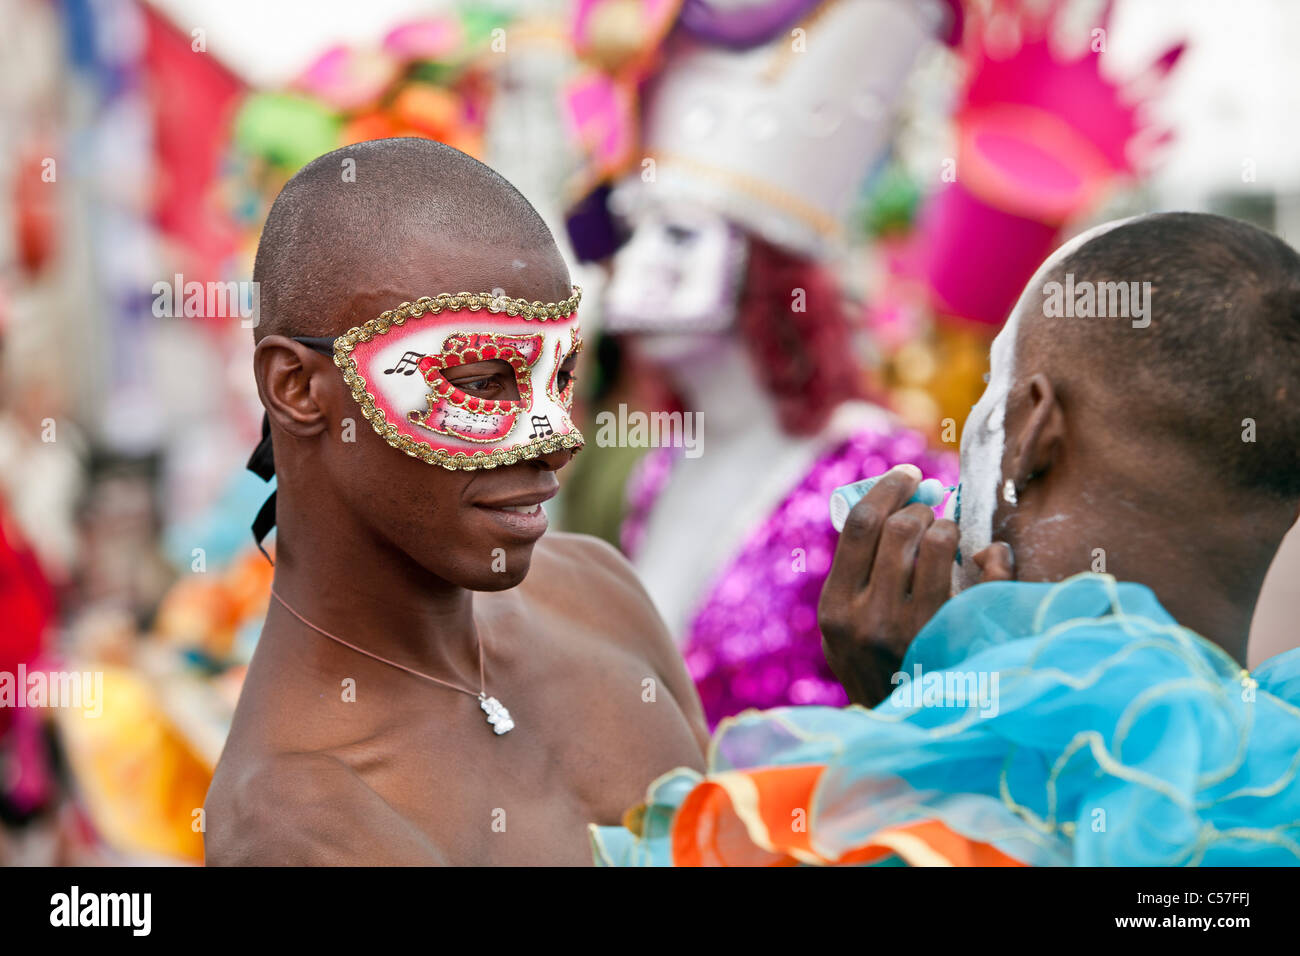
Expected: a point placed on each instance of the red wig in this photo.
(805, 357)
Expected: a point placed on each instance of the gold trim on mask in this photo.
(564, 397)
(435, 305)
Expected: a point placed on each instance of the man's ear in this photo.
(290, 380)
(1039, 437)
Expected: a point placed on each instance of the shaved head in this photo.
(1219, 345)
(368, 226)
(1142, 418)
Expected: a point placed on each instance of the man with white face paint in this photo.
(983, 439)
(1049, 713)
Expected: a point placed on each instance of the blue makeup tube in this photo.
(928, 492)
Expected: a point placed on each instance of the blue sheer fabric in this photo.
(1071, 723)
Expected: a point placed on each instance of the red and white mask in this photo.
(400, 368)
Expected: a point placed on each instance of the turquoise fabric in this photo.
(1066, 724)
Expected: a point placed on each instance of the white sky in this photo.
(268, 42)
(1235, 95)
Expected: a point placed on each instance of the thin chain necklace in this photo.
(497, 715)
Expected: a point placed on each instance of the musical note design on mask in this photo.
(541, 422)
(408, 364)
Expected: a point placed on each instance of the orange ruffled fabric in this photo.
(751, 818)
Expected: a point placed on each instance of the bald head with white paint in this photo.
(1158, 442)
(983, 439)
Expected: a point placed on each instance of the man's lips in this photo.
(526, 500)
(519, 515)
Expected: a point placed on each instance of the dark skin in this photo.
(891, 573)
(397, 556)
(1081, 485)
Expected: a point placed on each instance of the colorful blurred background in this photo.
(904, 163)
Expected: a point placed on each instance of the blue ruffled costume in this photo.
(1062, 724)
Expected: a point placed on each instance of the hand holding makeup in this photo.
(928, 492)
(892, 571)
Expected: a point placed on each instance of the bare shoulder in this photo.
(593, 554)
(603, 581)
(305, 810)
(595, 571)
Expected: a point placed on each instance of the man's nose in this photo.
(555, 460)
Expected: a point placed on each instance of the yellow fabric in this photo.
(140, 782)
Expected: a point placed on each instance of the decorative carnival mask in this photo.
(395, 365)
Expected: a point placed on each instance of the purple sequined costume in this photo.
(754, 641)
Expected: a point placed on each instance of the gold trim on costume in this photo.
(826, 226)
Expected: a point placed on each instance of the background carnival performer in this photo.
(755, 149)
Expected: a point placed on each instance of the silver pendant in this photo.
(497, 715)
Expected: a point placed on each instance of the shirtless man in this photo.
(380, 750)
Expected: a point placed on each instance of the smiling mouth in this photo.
(525, 522)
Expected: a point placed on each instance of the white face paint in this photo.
(676, 278)
(983, 439)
